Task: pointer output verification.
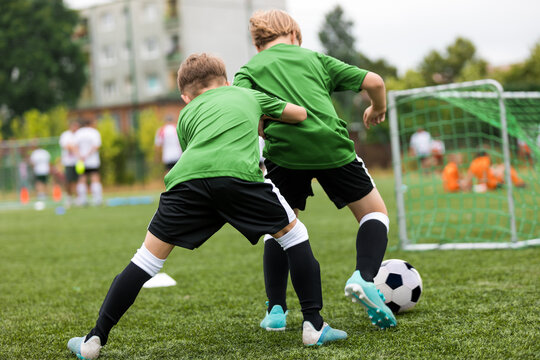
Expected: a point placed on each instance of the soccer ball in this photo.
(400, 284)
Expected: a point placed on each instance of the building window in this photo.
(109, 88)
(150, 12)
(150, 48)
(153, 84)
(107, 22)
(108, 56)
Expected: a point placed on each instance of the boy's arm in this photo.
(374, 86)
(293, 114)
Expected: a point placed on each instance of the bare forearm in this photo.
(374, 86)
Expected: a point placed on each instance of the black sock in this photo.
(276, 274)
(371, 243)
(122, 293)
(306, 279)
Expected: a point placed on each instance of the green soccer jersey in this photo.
(306, 78)
(218, 134)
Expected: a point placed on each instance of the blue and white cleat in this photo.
(88, 350)
(311, 337)
(367, 294)
(276, 320)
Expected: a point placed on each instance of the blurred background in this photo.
(114, 62)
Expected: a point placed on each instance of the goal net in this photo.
(466, 162)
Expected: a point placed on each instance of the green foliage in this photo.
(36, 124)
(149, 122)
(112, 146)
(411, 79)
(41, 66)
(446, 68)
(524, 76)
(148, 125)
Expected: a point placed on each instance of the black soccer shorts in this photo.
(192, 211)
(343, 185)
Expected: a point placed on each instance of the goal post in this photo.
(468, 119)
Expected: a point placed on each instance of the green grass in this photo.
(56, 270)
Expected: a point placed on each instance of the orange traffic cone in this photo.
(57, 193)
(24, 196)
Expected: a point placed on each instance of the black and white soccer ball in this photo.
(400, 284)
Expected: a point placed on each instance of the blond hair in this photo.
(266, 26)
(199, 71)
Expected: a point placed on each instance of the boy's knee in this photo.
(294, 236)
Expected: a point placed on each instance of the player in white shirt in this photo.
(167, 140)
(40, 160)
(421, 147)
(437, 151)
(88, 142)
(69, 159)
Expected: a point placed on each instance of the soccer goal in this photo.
(465, 121)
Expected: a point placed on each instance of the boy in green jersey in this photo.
(217, 180)
(320, 148)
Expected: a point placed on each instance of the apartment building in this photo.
(134, 47)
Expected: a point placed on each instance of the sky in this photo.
(404, 31)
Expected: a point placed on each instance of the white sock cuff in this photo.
(295, 236)
(267, 237)
(144, 259)
(377, 216)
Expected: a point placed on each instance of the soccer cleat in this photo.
(367, 294)
(276, 320)
(85, 350)
(311, 337)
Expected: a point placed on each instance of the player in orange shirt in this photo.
(450, 173)
(480, 168)
(492, 177)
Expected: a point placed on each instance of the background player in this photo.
(41, 165)
(166, 142)
(88, 142)
(69, 158)
(317, 148)
(217, 180)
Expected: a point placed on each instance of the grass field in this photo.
(57, 269)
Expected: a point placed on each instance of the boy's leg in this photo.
(306, 279)
(371, 243)
(295, 187)
(124, 289)
(276, 272)
(96, 188)
(372, 236)
(82, 190)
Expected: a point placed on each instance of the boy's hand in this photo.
(373, 116)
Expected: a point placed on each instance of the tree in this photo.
(41, 66)
(446, 68)
(36, 124)
(338, 41)
(524, 76)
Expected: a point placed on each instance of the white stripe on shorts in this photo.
(284, 203)
(365, 169)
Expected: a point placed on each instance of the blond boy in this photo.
(317, 148)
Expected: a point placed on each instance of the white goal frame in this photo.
(450, 90)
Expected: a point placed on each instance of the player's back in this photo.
(306, 78)
(218, 134)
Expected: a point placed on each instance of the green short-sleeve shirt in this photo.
(218, 134)
(306, 78)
